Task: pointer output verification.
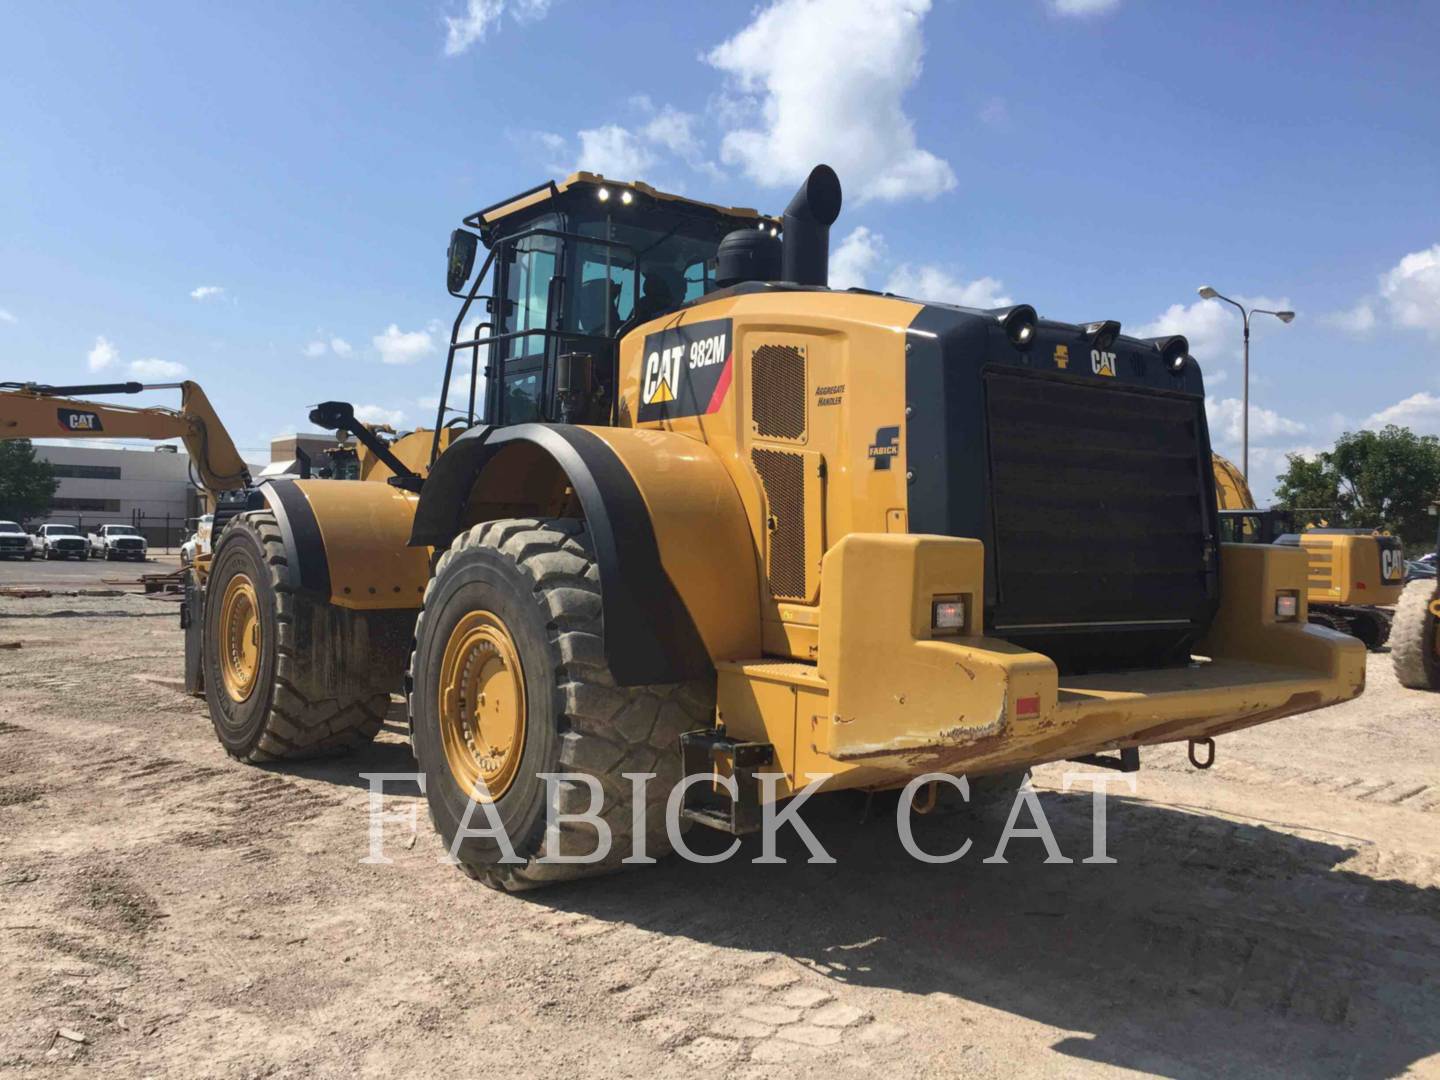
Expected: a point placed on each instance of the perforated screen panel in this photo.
(777, 391)
(783, 475)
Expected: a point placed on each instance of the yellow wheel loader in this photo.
(1355, 575)
(715, 531)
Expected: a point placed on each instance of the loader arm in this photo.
(33, 411)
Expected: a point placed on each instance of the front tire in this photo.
(509, 680)
(286, 676)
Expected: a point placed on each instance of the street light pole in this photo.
(1208, 293)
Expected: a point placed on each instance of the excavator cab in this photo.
(571, 267)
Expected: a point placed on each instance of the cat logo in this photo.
(662, 373)
(1062, 356)
(1102, 363)
(78, 420)
(1392, 564)
(685, 370)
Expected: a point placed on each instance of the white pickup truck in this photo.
(15, 542)
(61, 542)
(118, 542)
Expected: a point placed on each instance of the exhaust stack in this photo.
(805, 253)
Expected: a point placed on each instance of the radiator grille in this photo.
(783, 475)
(1099, 503)
(777, 391)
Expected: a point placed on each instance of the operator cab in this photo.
(572, 267)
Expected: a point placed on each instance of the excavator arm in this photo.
(34, 411)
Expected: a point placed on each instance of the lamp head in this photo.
(1207, 292)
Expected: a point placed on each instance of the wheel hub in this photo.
(240, 638)
(482, 705)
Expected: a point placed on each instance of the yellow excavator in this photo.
(1355, 575)
(40, 411)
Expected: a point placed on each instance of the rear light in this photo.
(1027, 706)
(947, 615)
(1287, 606)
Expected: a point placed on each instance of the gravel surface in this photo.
(166, 911)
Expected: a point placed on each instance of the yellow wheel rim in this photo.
(482, 705)
(240, 638)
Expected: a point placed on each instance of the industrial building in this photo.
(148, 488)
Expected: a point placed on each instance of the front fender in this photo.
(347, 541)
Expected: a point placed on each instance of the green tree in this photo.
(27, 484)
(1370, 478)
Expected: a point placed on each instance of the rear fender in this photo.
(678, 576)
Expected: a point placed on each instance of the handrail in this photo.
(473, 294)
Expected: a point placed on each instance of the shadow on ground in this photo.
(1209, 947)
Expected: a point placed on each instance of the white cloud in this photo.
(930, 282)
(832, 93)
(1212, 329)
(675, 131)
(857, 255)
(462, 31)
(103, 355)
(156, 369)
(1419, 412)
(206, 292)
(377, 414)
(399, 347)
(7, 316)
(615, 151)
(1225, 422)
(480, 17)
(1412, 290)
(1357, 320)
(323, 346)
(1083, 7)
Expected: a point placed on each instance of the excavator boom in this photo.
(34, 411)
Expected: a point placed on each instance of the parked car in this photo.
(198, 542)
(61, 542)
(1416, 569)
(117, 542)
(15, 542)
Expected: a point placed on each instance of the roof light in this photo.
(604, 194)
(1019, 323)
(626, 198)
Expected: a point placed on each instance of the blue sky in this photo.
(1095, 158)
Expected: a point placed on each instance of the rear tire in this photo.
(286, 676)
(528, 591)
(1415, 637)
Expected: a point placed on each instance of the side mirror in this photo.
(460, 259)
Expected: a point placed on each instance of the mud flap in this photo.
(192, 621)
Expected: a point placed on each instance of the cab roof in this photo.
(588, 185)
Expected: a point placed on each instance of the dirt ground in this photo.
(183, 915)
